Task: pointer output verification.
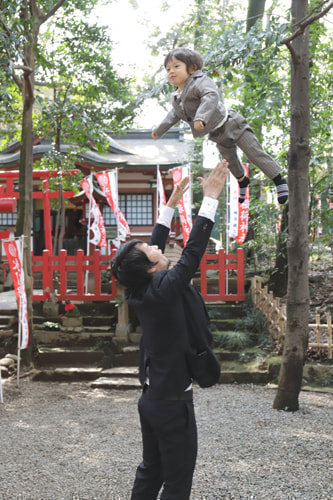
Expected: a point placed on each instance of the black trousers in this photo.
(169, 437)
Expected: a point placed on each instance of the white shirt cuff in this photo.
(208, 208)
(165, 216)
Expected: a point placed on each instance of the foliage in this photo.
(197, 171)
(18, 27)
(119, 300)
(10, 109)
(264, 219)
(252, 69)
(232, 340)
(79, 85)
(69, 182)
(50, 325)
(254, 323)
(250, 331)
(320, 166)
(80, 95)
(20, 54)
(75, 79)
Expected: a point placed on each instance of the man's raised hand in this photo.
(212, 186)
(178, 191)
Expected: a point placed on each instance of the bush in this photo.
(232, 341)
(254, 323)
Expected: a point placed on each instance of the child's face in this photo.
(177, 72)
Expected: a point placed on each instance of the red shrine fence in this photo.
(88, 278)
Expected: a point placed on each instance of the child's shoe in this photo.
(281, 188)
(242, 188)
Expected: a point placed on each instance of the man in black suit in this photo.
(163, 300)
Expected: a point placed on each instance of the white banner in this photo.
(109, 185)
(160, 192)
(97, 225)
(238, 212)
(233, 210)
(14, 252)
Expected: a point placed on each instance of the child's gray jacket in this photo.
(199, 100)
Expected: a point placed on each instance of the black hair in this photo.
(190, 57)
(130, 266)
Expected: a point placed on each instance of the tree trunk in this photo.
(25, 209)
(296, 340)
(255, 11)
(61, 217)
(278, 280)
(32, 20)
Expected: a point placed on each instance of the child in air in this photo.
(196, 101)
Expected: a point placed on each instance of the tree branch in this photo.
(17, 81)
(8, 33)
(306, 21)
(27, 70)
(45, 17)
(315, 186)
(29, 86)
(4, 25)
(34, 10)
(292, 52)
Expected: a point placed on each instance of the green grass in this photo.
(232, 340)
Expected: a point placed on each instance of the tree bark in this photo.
(25, 209)
(33, 18)
(255, 11)
(296, 340)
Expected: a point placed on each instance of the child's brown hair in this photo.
(190, 57)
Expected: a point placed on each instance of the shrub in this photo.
(232, 341)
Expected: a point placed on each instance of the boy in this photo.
(196, 101)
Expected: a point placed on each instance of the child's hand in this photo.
(153, 136)
(199, 125)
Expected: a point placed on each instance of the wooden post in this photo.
(47, 268)
(282, 323)
(253, 290)
(97, 272)
(318, 332)
(329, 335)
(123, 319)
(47, 216)
(268, 311)
(80, 272)
(240, 272)
(222, 272)
(62, 273)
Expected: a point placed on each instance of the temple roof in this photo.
(10, 160)
(134, 150)
(171, 150)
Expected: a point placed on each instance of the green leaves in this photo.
(77, 65)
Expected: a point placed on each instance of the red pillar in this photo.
(47, 216)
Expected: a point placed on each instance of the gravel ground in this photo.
(71, 442)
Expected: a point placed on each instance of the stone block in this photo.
(72, 321)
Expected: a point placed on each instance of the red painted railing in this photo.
(73, 273)
(222, 263)
(86, 284)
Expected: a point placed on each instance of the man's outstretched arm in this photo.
(161, 230)
(181, 274)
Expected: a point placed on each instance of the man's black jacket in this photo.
(167, 308)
